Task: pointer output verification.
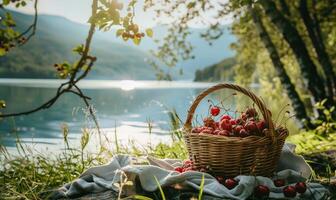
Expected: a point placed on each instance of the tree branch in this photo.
(68, 86)
(31, 27)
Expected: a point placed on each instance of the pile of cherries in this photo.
(246, 124)
(261, 191)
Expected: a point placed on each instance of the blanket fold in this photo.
(291, 167)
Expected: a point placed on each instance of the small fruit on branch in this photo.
(215, 111)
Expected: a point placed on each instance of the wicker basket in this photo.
(232, 156)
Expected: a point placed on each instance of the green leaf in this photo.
(2, 104)
(79, 48)
(5, 2)
(149, 32)
(191, 5)
(136, 40)
(23, 3)
(119, 32)
(137, 197)
(2, 52)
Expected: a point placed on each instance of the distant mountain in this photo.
(56, 36)
(205, 55)
(222, 71)
(53, 43)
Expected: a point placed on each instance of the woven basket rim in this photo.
(283, 134)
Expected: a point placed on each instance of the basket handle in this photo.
(264, 111)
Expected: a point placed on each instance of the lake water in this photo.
(124, 105)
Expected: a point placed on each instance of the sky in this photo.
(80, 11)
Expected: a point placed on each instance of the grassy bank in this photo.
(33, 175)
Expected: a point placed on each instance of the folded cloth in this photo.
(291, 167)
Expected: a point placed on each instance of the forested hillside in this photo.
(222, 71)
(53, 43)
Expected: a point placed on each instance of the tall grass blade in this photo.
(159, 186)
(201, 188)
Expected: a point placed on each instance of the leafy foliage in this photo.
(222, 71)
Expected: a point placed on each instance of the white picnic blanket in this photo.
(291, 167)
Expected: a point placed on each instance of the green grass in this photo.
(33, 175)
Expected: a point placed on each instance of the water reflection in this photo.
(124, 105)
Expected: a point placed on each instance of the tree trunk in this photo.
(297, 103)
(320, 50)
(312, 80)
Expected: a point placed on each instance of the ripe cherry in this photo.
(187, 163)
(207, 130)
(301, 187)
(216, 132)
(233, 122)
(251, 112)
(224, 133)
(279, 182)
(230, 183)
(261, 125)
(178, 169)
(225, 117)
(243, 133)
(240, 121)
(251, 127)
(237, 129)
(209, 122)
(261, 191)
(196, 130)
(225, 124)
(215, 111)
(289, 191)
(243, 116)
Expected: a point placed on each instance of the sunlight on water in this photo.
(126, 105)
(125, 85)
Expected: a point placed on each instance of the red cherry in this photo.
(289, 191)
(225, 124)
(187, 163)
(233, 122)
(261, 191)
(243, 116)
(251, 126)
(216, 132)
(237, 129)
(251, 112)
(196, 130)
(209, 122)
(225, 117)
(230, 183)
(207, 130)
(187, 169)
(215, 111)
(220, 179)
(240, 121)
(216, 125)
(261, 125)
(301, 187)
(178, 169)
(224, 133)
(243, 133)
(279, 182)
